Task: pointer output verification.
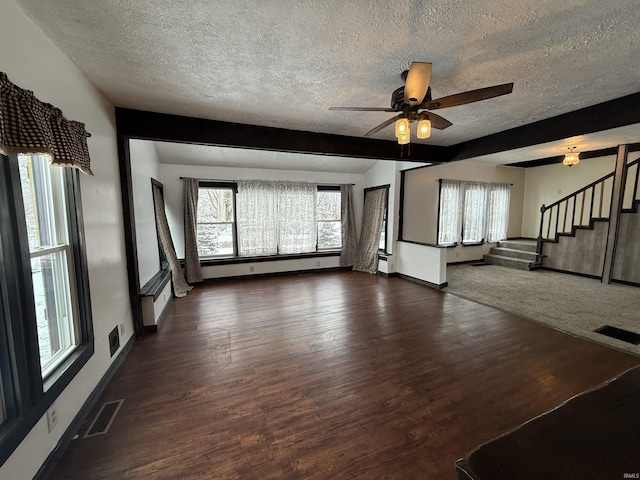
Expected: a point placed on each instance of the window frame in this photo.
(236, 258)
(233, 186)
(155, 184)
(328, 188)
(463, 213)
(27, 395)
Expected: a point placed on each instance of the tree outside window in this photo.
(329, 220)
(215, 230)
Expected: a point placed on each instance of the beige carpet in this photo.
(572, 304)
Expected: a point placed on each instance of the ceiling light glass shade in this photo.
(571, 159)
(404, 138)
(402, 127)
(424, 129)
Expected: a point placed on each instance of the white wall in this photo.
(144, 167)
(33, 62)
(549, 183)
(173, 194)
(422, 262)
(387, 172)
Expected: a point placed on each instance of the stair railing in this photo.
(580, 208)
(630, 198)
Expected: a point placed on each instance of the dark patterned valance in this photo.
(28, 125)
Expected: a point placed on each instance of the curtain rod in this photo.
(439, 180)
(236, 181)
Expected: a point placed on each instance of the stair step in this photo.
(514, 253)
(509, 262)
(526, 245)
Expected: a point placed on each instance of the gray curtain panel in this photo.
(180, 286)
(367, 254)
(348, 222)
(191, 258)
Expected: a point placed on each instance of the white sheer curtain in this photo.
(498, 212)
(276, 217)
(450, 221)
(474, 212)
(297, 219)
(257, 218)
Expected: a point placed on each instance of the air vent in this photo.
(102, 423)
(619, 334)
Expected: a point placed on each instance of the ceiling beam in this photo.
(144, 125)
(603, 152)
(175, 128)
(602, 116)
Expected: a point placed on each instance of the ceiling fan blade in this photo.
(417, 83)
(362, 109)
(469, 97)
(437, 121)
(384, 124)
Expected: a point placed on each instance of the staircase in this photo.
(520, 254)
(574, 231)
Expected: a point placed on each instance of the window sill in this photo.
(433, 245)
(154, 287)
(210, 262)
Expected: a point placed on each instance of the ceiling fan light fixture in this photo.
(404, 138)
(424, 128)
(402, 128)
(571, 158)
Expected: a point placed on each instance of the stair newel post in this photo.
(619, 181)
(539, 242)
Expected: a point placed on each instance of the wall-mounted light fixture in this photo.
(572, 158)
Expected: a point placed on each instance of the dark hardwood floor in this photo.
(329, 376)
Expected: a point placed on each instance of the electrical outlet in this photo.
(318, 263)
(122, 328)
(52, 417)
(250, 269)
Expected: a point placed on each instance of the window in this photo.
(45, 317)
(43, 197)
(382, 244)
(472, 212)
(329, 219)
(216, 222)
(252, 218)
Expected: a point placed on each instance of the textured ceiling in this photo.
(283, 63)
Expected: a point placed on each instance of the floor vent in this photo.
(104, 419)
(620, 334)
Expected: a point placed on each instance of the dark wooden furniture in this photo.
(594, 435)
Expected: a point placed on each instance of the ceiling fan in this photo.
(414, 103)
